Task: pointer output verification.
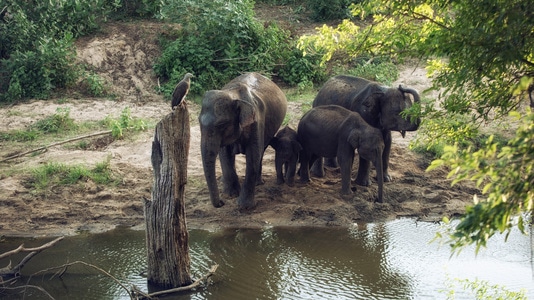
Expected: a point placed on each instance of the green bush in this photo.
(302, 70)
(379, 70)
(36, 50)
(330, 10)
(37, 73)
(219, 40)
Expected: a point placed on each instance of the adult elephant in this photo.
(242, 117)
(334, 131)
(379, 106)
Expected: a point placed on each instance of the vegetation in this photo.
(220, 40)
(481, 55)
(52, 173)
(483, 290)
(37, 55)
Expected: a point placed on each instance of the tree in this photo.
(481, 55)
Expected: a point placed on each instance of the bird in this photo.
(181, 90)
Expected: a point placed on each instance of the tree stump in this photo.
(166, 230)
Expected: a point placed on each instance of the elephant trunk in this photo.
(209, 149)
(379, 176)
(416, 99)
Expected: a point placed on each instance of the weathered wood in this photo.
(166, 231)
(10, 271)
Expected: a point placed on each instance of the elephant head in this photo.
(382, 107)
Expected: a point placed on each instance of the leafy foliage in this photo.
(487, 167)
(330, 10)
(36, 50)
(124, 122)
(483, 290)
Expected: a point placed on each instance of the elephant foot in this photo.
(279, 181)
(290, 182)
(232, 191)
(305, 180)
(362, 182)
(218, 204)
(260, 181)
(249, 205)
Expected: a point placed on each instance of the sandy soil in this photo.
(123, 54)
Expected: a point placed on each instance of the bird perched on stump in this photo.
(181, 90)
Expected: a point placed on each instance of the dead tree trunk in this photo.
(166, 230)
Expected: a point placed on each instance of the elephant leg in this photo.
(346, 158)
(317, 168)
(279, 174)
(385, 155)
(259, 180)
(230, 180)
(331, 162)
(363, 172)
(304, 170)
(253, 169)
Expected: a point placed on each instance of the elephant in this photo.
(334, 131)
(240, 118)
(287, 149)
(378, 105)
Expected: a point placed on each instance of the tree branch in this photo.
(57, 144)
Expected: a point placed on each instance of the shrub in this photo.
(219, 40)
(36, 51)
(330, 10)
(302, 70)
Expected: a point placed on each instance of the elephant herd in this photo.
(348, 114)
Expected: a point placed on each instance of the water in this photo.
(391, 260)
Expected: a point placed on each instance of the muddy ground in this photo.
(123, 54)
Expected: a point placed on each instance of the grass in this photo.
(44, 177)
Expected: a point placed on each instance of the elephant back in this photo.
(270, 97)
(340, 90)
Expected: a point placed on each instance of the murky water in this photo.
(391, 260)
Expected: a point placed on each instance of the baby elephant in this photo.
(330, 131)
(287, 154)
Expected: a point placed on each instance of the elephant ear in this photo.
(247, 107)
(368, 95)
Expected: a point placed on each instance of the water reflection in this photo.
(373, 261)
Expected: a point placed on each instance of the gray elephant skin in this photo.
(334, 131)
(242, 117)
(286, 157)
(379, 106)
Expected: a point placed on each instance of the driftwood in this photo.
(57, 144)
(138, 294)
(9, 272)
